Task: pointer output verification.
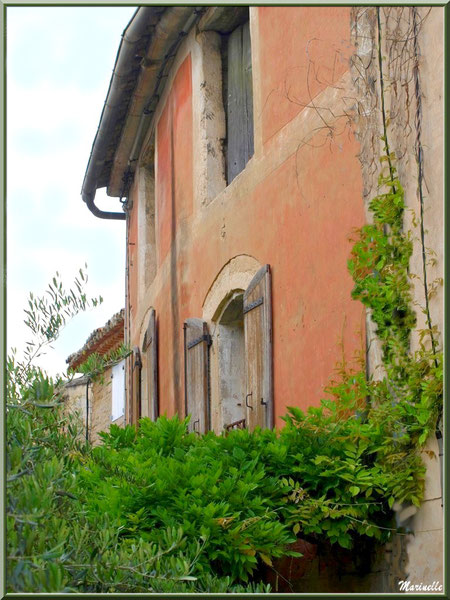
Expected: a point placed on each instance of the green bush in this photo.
(55, 541)
(63, 535)
(215, 488)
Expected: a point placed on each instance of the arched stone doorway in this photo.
(231, 359)
(223, 313)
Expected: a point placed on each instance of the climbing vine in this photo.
(360, 453)
(364, 446)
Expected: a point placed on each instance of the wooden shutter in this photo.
(258, 350)
(196, 355)
(240, 145)
(150, 347)
(136, 386)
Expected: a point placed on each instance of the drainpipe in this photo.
(185, 371)
(127, 321)
(89, 198)
(172, 26)
(135, 30)
(87, 409)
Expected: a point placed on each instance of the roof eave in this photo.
(160, 30)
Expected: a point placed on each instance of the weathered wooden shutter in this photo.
(136, 386)
(150, 347)
(196, 356)
(240, 145)
(258, 350)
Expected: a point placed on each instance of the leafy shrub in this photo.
(53, 544)
(215, 488)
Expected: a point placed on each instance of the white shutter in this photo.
(118, 391)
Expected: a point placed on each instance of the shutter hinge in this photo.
(203, 338)
(253, 305)
(137, 358)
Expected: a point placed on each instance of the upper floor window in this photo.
(238, 98)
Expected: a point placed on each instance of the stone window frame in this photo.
(203, 43)
(210, 123)
(146, 226)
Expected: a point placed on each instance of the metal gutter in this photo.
(172, 27)
(87, 409)
(160, 30)
(137, 28)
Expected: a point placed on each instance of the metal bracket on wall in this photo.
(203, 338)
(253, 305)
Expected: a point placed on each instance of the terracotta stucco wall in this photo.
(174, 161)
(303, 51)
(173, 200)
(293, 207)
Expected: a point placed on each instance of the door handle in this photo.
(246, 401)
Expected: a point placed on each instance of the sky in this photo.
(59, 62)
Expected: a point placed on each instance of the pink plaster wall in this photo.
(297, 218)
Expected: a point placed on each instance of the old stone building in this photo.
(244, 145)
(98, 401)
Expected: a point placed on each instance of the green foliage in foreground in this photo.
(163, 510)
(57, 544)
(96, 364)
